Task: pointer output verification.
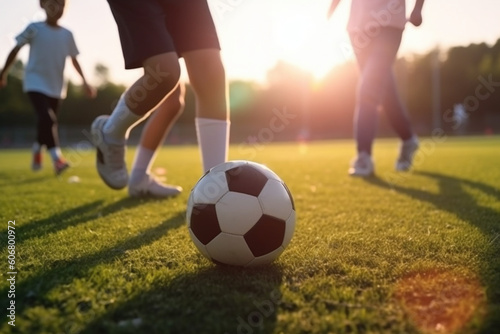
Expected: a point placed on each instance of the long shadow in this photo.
(453, 198)
(33, 291)
(6, 179)
(218, 299)
(71, 217)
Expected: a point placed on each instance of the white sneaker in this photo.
(406, 153)
(110, 159)
(149, 187)
(362, 165)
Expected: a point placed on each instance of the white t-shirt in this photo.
(371, 15)
(49, 48)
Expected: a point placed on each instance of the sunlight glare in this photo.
(308, 41)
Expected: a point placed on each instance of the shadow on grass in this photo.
(218, 299)
(453, 198)
(71, 217)
(22, 179)
(33, 291)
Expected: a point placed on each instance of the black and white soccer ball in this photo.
(241, 213)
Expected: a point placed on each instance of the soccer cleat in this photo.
(36, 163)
(406, 153)
(362, 165)
(110, 158)
(60, 166)
(150, 187)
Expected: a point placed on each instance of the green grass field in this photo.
(396, 253)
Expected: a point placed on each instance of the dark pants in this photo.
(377, 88)
(46, 109)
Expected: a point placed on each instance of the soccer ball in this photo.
(241, 213)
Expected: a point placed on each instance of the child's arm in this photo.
(8, 63)
(89, 90)
(333, 6)
(416, 14)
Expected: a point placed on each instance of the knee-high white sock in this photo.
(142, 164)
(213, 140)
(121, 121)
(55, 153)
(36, 148)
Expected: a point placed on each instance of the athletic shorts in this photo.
(151, 27)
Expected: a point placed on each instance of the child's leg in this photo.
(46, 119)
(208, 79)
(146, 43)
(46, 109)
(110, 133)
(154, 133)
(161, 76)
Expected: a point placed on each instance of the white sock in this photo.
(55, 153)
(37, 148)
(412, 139)
(119, 124)
(213, 139)
(142, 164)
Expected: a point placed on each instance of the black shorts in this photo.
(151, 27)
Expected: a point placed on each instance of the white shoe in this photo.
(110, 159)
(362, 165)
(406, 153)
(149, 187)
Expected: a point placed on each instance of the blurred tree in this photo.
(101, 72)
(324, 108)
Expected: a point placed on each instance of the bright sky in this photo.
(255, 34)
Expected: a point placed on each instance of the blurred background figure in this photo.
(375, 29)
(50, 45)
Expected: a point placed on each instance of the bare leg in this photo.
(109, 134)
(161, 76)
(142, 183)
(154, 133)
(162, 119)
(208, 79)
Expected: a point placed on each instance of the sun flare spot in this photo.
(308, 40)
(440, 301)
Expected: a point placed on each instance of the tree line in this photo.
(294, 105)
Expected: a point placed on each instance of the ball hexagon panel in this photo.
(275, 200)
(245, 179)
(237, 213)
(265, 170)
(229, 249)
(210, 188)
(266, 235)
(204, 223)
(227, 165)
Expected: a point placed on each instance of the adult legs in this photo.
(396, 110)
(375, 62)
